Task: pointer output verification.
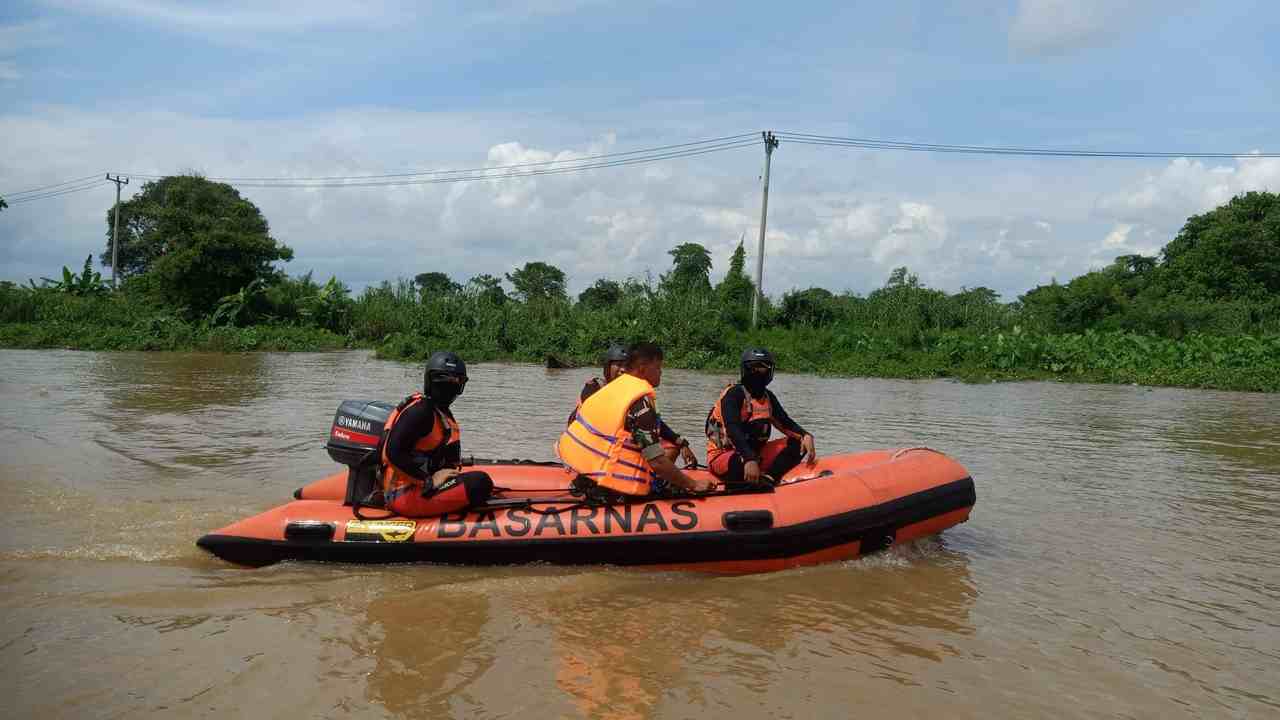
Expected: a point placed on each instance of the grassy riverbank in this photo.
(1199, 361)
(907, 342)
(200, 272)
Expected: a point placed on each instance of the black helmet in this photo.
(752, 356)
(757, 355)
(445, 364)
(616, 353)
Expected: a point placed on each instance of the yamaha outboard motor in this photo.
(355, 440)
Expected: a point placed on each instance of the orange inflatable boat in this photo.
(841, 507)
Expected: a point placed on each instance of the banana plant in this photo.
(86, 283)
(237, 307)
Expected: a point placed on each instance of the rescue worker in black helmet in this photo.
(615, 360)
(422, 448)
(739, 450)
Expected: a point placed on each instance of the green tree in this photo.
(690, 269)
(3, 204)
(487, 287)
(1220, 274)
(979, 308)
(901, 277)
(435, 283)
(1137, 264)
(196, 241)
(907, 308)
(538, 281)
(1230, 252)
(1089, 300)
(979, 296)
(735, 290)
(636, 289)
(815, 306)
(602, 294)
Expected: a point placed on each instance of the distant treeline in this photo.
(198, 268)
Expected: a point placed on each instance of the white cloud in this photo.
(729, 220)
(1050, 27)
(1009, 230)
(1119, 236)
(1160, 202)
(863, 221)
(918, 231)
(1183, 187)
(1127, 239)
(611, 222)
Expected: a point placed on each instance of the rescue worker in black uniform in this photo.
(739, 450)
(422, 449)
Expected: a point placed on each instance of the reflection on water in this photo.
(1121, 560)
(134, 387)
(426, 649)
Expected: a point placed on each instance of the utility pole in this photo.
(115, 226)
(770, 142)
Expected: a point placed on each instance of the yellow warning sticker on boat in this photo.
(380, 530)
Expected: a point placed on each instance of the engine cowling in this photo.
(356, 431)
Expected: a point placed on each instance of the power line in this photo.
(63, 191)
(587, 159)
(502, 173)
(19, 193)
(619, 159)
(431, 177)
(1031, 152)
(58, 193)
(879, 144)
(544, 167)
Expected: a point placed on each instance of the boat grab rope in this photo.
(470, 461)
(903, 451)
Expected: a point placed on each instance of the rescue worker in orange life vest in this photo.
(739, 450)
(422, 450)
(614, 361)
(614, 441)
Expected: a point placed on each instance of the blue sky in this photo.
(284, 89)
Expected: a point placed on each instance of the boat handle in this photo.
(312, 530)
(747, 520)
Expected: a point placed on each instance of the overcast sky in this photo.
(259, 88)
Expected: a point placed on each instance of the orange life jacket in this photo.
(596, 444)
(757, 415)
(444, 434)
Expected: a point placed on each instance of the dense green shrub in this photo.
(1140, 319)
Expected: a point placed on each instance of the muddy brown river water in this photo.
(1123, 560)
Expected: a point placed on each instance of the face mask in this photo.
(444, 393)
(755, 383)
